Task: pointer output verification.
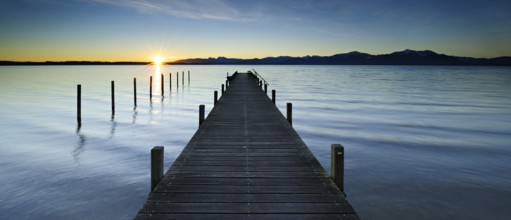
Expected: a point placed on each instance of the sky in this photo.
(137, 30)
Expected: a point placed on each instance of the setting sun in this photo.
(158, 60)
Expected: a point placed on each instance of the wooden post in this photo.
(135, 91)
(215, 97)
(156, 166)
(177, 80)
(113, 97)
(162, 84)
(79, 104)
(150, 87)
(188, 76)
(290, 113)
(222, 89)
(337, 165)
(183, 78)
(266, 88)
(273, 96)
(170, 82)
(201, 114)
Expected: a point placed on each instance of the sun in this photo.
(157, 60)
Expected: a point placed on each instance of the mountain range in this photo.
(405, 57)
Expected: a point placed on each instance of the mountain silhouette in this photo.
(405, 57)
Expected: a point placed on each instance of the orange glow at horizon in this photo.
(158, 60)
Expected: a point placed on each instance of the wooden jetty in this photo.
(246, 162)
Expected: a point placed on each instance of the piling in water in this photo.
(113, 97)
(266, 88)
(337, 165)
(79, 104)
(222, 89)
(273, 96)
(290, 113)
(201, 114)
(188, 77)
(150, 86)
(215, 97)
(156, 166)
(135, 91)
(162, 84)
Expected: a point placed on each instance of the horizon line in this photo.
(253, 58)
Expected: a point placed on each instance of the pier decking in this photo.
(246, 162)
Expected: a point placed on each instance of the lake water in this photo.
(421, 142)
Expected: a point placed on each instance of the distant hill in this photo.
(405, 57)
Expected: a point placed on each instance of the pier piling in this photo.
(79, 104)
(150, 87)
(162, 84)
(135, 92)
(113, 97)
(290, 113)
(337, 165)
(273, 96)
(156, 166)
(201, 114)
(215, 97)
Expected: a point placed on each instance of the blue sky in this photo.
(122, 30)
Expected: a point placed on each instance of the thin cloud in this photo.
(191, 9)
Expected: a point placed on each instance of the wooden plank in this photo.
(241, 198)
(247, 189)
(246, 181)
(238, 208)
(250, 216)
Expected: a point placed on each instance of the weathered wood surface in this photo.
(246, 162)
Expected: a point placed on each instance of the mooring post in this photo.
(215, 97)
(135, 91)
(265, 88)
(156, 166)
(79, 104)
(177, 80)
(337, 165)
(222, 89)
(290, 113)
(150, 87)
(188, 76)
(162, 84)
(273, 96)
(170, 82)
(201, 114)
(113, 97)
(183, 78)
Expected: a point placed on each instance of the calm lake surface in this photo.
(421, 142)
